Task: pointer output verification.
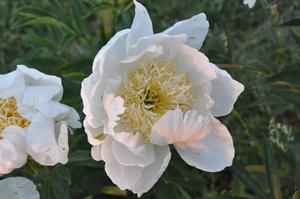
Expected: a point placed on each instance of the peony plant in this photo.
(148, 91)
(32, 120)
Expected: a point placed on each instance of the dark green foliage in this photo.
(260, 47)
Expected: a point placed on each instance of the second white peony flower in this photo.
(32, 120)
(147, 91)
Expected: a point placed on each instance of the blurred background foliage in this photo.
(260, 47)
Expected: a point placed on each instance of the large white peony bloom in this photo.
(149, 90)
(32, 121)
(18, 188)
(250, 3)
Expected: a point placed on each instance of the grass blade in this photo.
(249, 181)
(272, 171)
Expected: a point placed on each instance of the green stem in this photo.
(297, 174)
(249, 134)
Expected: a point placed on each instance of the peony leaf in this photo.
(272, 171)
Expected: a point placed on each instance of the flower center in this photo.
(150, 91)
(9, 115)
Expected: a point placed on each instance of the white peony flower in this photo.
(32, 121)
(149, 90)
(250, 3)
(18, 188)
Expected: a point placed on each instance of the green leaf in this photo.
(61, 171)
(293, 145)
(30, 10)
(225, 197)
(48, 21)
(78, 13)
(60, 189)
(113, 190)
(289, 95)
(60, 182)
(269, 3)
(164, 190)
(296, 36)
(290, 76)
(58, 9)
(297, 176)
(249, 181)
(292, 22)
(105, 5)
(81, 155)
(272, 171)
(66, 42)
(2, 65)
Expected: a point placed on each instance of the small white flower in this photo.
(250, 3)
(18, 188)
(32, 121)
(149, 90)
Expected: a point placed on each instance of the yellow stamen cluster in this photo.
(9, 115)
(150, 91)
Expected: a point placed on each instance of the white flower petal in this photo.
(133, 62)
(96, 152)
(175, 128)
(34, 77)
(211, 153)
(12, 149)
(11, 84)
(93, 134)
(8, 152)
(73, 118)
(53, 109)
(37, 95)
(152, 51)
(168, 129)
(153, 172)
(123, 176)
(40, 134)
(95, 113)
(141, 25)
(129, 139)
(141, 156)
(18, 188)
(196, 29)
(163, 40)
(16, 136)
(60, 112)
(225, 92)
(94, 86)
(193, 63)
(203, 102)
(90, 94)
(61, 131)
(25, 111)
(250, 3)
(41, 141)
(114, 106)
(110, 54)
